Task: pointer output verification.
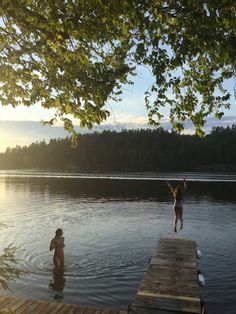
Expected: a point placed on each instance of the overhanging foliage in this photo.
(74, 56)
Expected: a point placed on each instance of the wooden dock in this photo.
(170, 284)
(23, 306)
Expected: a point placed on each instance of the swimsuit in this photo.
(178, 203)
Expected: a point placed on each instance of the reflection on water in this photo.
(9, 270)
(122, 189)
(57, 284)
(111, 229)
(190, 176)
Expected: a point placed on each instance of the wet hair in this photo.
(59, 232)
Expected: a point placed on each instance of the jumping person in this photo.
(178, 192)
(57, 244)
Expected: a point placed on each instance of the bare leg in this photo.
(181, 218)
(56, 262)
(62, 261)
(175, 218)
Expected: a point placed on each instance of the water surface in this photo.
(111, 225)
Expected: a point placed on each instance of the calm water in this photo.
(111, 226)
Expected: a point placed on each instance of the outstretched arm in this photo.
(170, 186)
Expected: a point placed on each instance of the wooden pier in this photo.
(170, 286)
(24, 306)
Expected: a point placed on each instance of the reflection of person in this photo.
(178, 192)
(57, 244)
(57, 284)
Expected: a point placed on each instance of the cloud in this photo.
(130, 121)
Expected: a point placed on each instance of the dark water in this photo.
(111, 227)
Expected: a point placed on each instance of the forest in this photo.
(129, 151)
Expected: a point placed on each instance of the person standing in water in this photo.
(57, 244)
(178, 192)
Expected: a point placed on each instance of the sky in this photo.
(22, 126)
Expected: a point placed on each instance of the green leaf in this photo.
(49, 50)
(68, 108)
(57, 103)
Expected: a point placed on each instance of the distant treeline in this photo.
(132, 150)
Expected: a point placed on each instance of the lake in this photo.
(111, 225)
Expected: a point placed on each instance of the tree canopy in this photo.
(75, 56)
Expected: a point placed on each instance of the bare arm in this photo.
(52, 245)
(62, 242)
(170, 186)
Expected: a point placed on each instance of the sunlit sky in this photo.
(128, 113)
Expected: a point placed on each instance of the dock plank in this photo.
(25, 306)
(170, 284)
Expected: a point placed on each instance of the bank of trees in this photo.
(133, 150)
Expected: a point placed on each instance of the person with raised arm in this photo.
(178, 193)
